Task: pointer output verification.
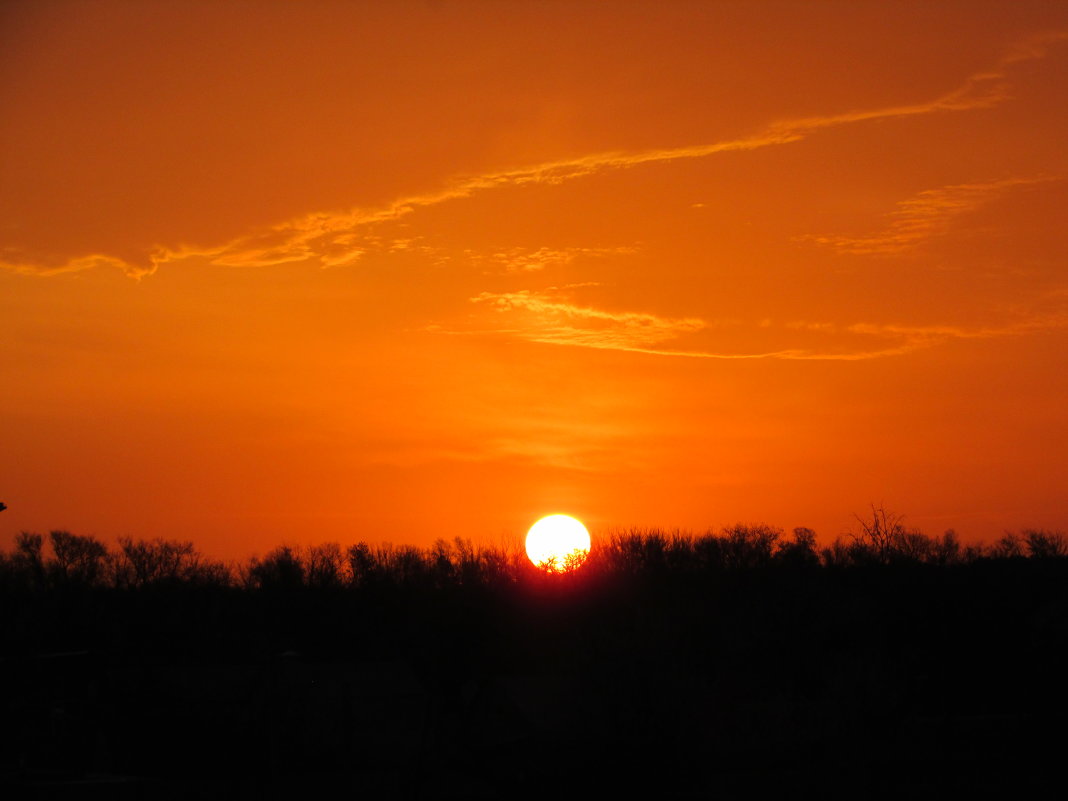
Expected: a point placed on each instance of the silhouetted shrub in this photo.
(363, 569)
(634, 551)
(324, 566)
(27, 561)
(143, 562)
(800, 551)
(747, 547)
(281, 569)
(1046, 544)
(1007, 547)
(77, 560)
(947, 551)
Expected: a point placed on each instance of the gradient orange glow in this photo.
(399, 271)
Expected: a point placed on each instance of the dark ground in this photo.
(867, 681)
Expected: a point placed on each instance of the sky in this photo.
(283, 272)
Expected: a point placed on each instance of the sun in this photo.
(558, 543)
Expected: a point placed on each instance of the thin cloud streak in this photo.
(333, 238)
(78, 265)
(546, 319)
(560, 322)
(929, 214)
(527, 260)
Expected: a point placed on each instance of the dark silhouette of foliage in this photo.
(1007, 547)
(28, 561)
(363, 569)
(676, 662)
(281, 569)
(77, 559)
(747, 547)
(1046, 544)
(800, 552)
(324, 565)
(947, 550)
(143, 562)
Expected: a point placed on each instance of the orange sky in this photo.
(296, 272)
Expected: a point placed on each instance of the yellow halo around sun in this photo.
(558, 543)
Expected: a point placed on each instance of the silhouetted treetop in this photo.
(72, 560)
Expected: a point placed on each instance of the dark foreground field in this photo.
(735, 665)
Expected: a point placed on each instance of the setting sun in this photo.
(558, 543)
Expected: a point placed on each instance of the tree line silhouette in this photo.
(884, 664)
(73, 560)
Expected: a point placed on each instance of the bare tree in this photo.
(1007, 547)
(142, 562)
(749, 546)
(324, 565)
(880, 533)
(28, 558)
(77, 559)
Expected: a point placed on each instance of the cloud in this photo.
(526, 260)
(929, 214)
(922, 335)
(333, 238)
(549, 317)
(78, 265)
(545, 317)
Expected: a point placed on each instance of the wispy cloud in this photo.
(932, 334)
(334, 238)
(550, 317)
(929, 214)
(543, 316)
(527, 260)
(77, 265)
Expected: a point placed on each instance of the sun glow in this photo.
(558, 543)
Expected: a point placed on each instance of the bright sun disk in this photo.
(558, 543)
